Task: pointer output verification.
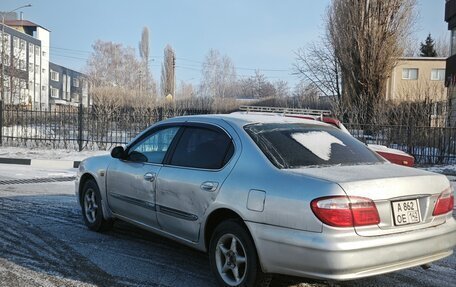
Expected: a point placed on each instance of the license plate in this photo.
(406, 212)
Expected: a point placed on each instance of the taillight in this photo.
(343, 211)
(445, 203)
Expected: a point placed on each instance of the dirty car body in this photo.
(284, 195)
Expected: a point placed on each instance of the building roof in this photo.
(422, 58)
(24, 23)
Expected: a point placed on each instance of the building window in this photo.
(37, 69)
(22, 65)
(6, 59)
(76, 82)
(15, 42)
(54, 76)
(54, 92)
(68, 88)
(31, 49)
(409, 74)
(22, 44)
(37, 50)
(438, 74)
(44, 53)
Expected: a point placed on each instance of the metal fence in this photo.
(95, 128)
(79, 128)
(429, 145)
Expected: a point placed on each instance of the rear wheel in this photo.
(233, 257)
(92, 211)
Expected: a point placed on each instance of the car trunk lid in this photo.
(404, 197)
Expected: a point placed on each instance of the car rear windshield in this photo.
(302, 145)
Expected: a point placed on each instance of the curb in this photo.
(41, 162)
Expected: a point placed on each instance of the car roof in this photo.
(240, 119)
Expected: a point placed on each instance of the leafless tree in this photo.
(218, 76)
(318, 65)
(149, 86)
(282, 89)
(442, 46)
(367, 37)
(185, 91)
(14, 71)
(113, 65)
(168, 71)
(421, 104)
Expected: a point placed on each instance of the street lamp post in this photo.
(3, 47)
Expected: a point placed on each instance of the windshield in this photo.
(298, 145)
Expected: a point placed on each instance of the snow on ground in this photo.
(43, 242)
(445, 169)
(51, 154)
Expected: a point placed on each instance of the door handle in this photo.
(209, 186)
(150, 176)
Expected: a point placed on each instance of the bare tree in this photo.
(168, 71)
(14, 77)
(218, 76)
(185, 91)
(282, 89)
(442, 46)
(112, 65)
(367, 37)
(319, 66)
(149, 86)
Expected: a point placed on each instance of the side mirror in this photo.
(118, 152)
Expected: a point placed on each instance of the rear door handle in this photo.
(209, 186)
(150, 176)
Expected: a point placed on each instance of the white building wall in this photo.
(44, 36)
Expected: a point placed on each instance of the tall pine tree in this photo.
(427, 48)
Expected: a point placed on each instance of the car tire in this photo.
(233, 257)
(91, 207)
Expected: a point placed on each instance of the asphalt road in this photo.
(43, 242)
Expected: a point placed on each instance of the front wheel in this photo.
(92, 211)
(233, 257)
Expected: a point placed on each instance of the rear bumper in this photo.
(343, 255)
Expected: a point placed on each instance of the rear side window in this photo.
(298, 145)
(202, 148)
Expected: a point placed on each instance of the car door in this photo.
(131, 182)
(191, 178)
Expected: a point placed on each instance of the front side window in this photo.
(298, 145)
(409, 74)
(154, 147)
(203, 148)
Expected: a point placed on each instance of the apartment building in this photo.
(27, 72)
(420, 79)
(67, 87)
(417, 79)
(25, 58)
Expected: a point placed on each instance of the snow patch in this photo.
(318, 142)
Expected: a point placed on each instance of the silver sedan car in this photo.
(265, 194)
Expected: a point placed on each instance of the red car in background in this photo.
(393, 155)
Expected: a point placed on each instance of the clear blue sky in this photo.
(255, 33)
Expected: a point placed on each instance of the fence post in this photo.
(1, 122)
(160, 113)
(409, 138)
(80, 123)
